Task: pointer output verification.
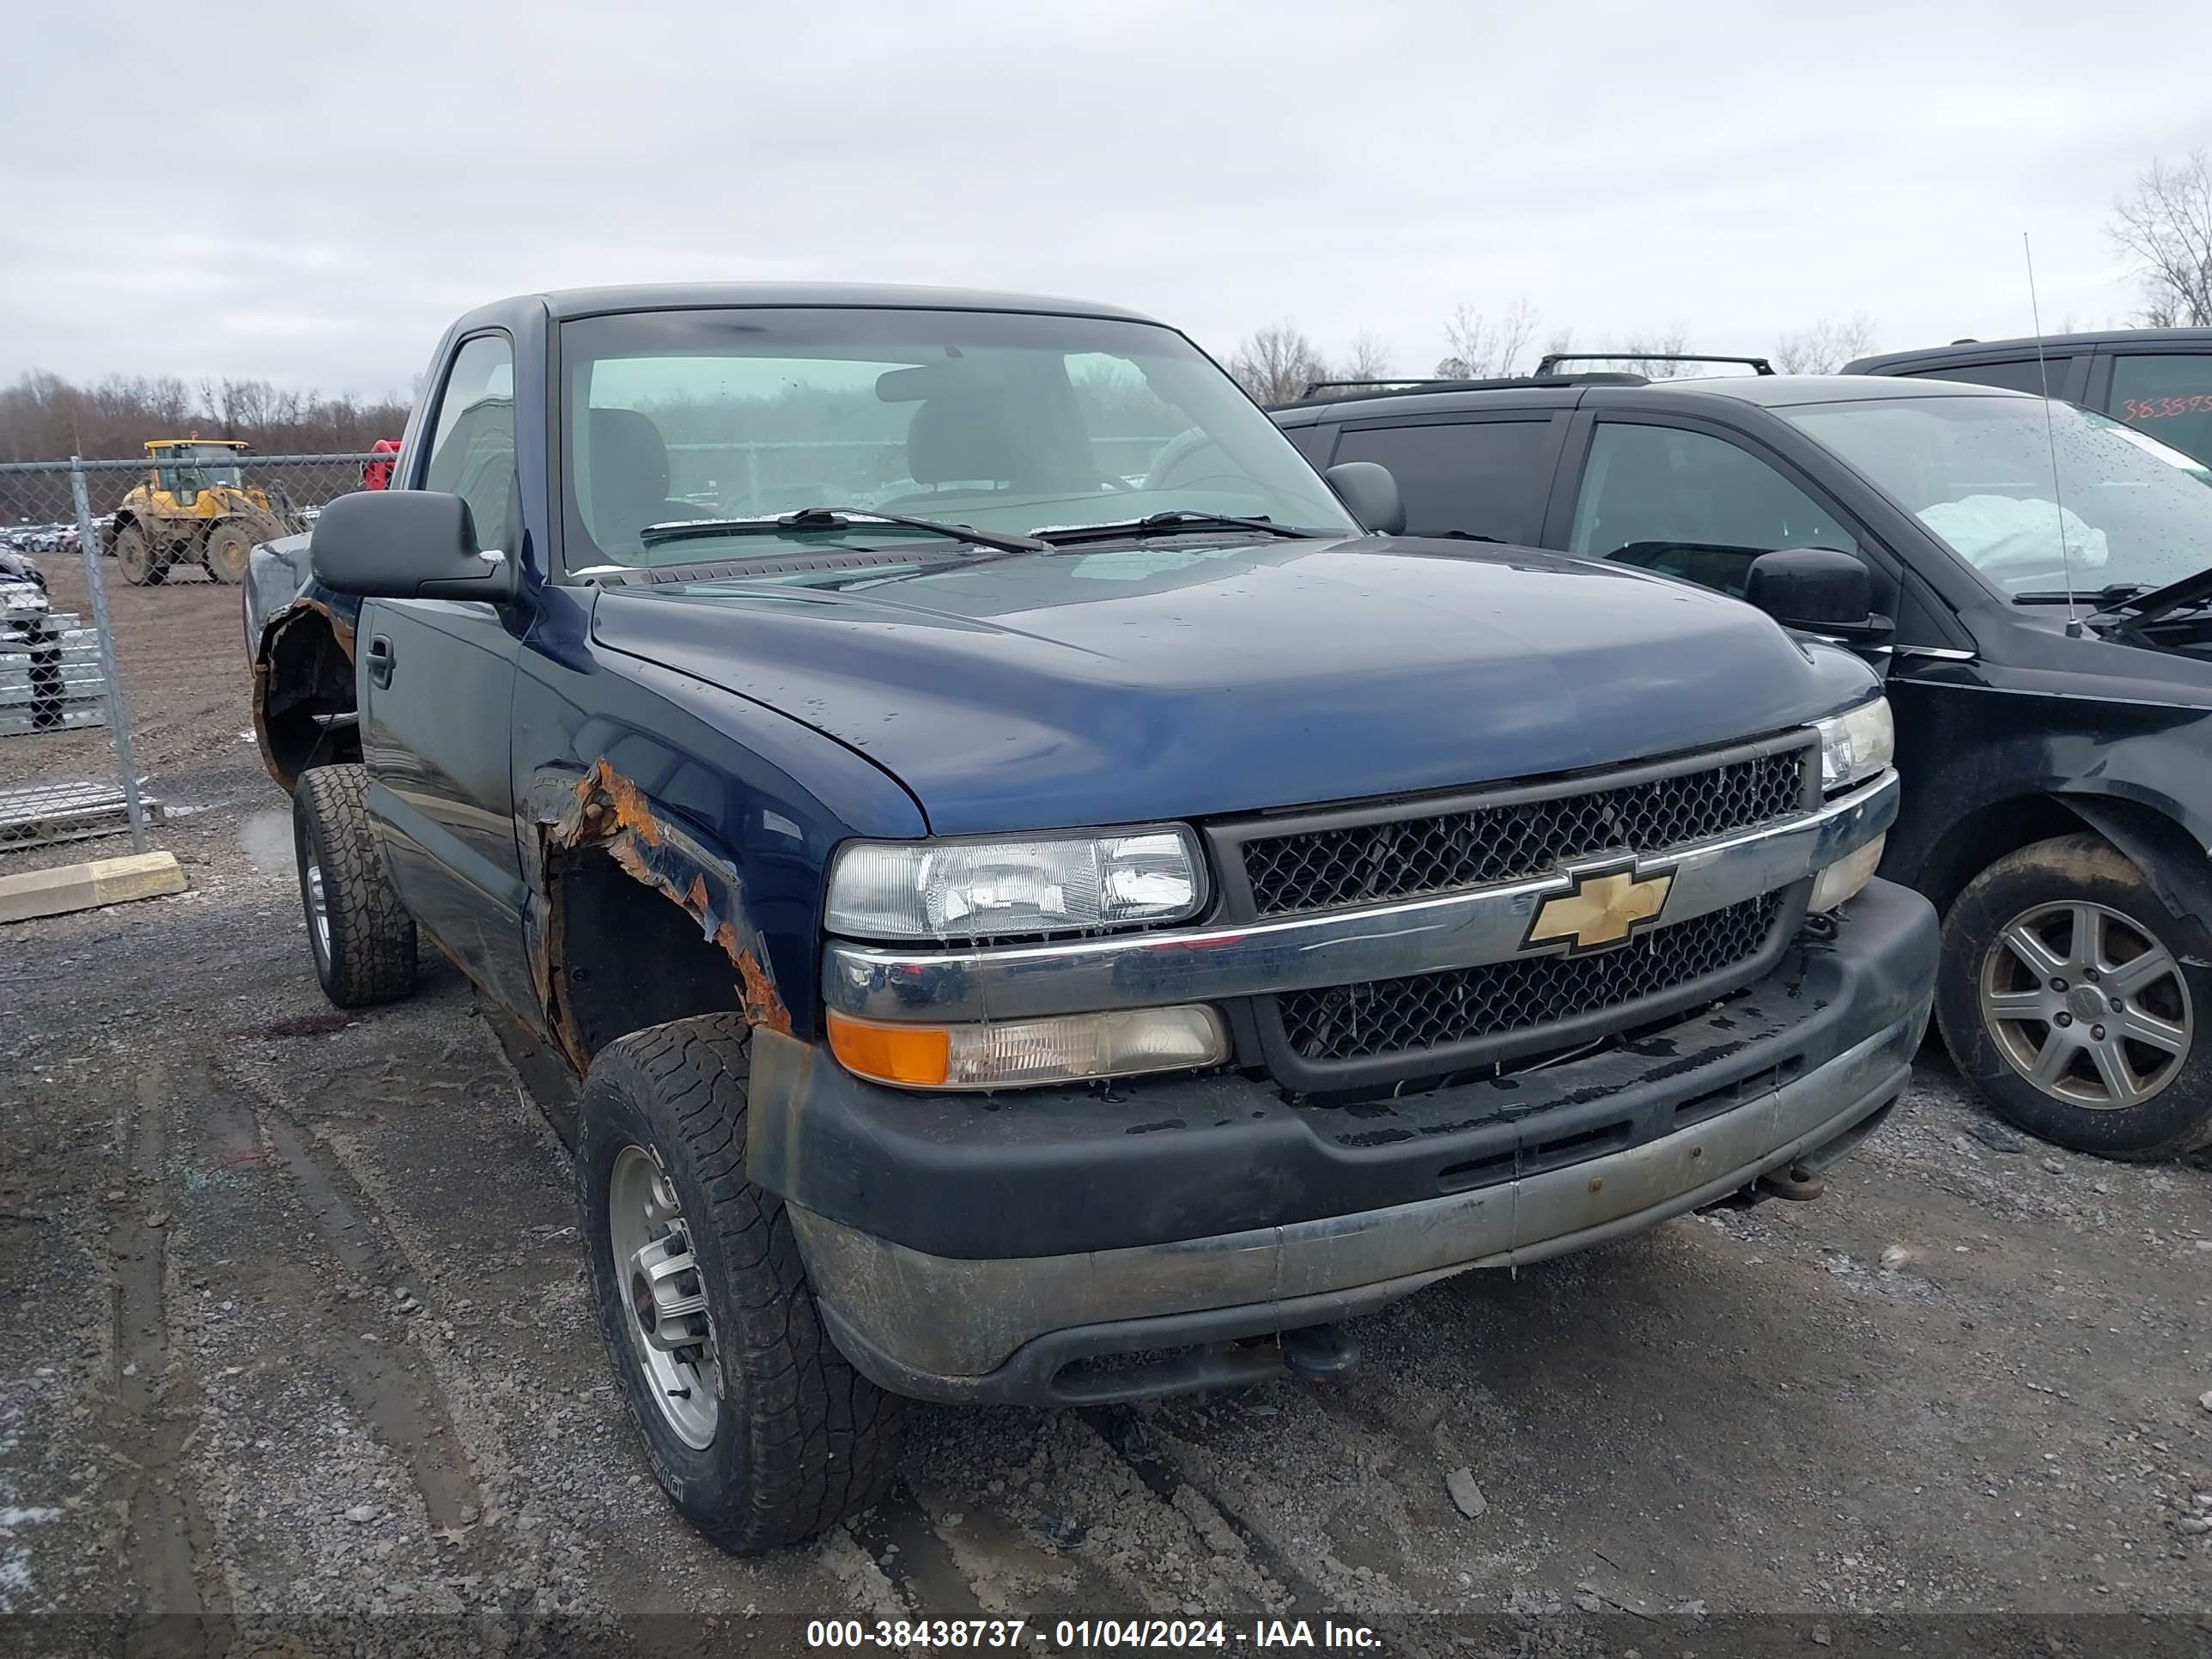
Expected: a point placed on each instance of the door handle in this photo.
(379, 661)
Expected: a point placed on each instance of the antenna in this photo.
(2050, 437)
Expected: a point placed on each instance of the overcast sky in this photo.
(311, 191)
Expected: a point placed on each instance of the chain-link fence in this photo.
(100, 650)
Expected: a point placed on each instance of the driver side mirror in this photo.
(1817, 590)
(407, 544)
(1369, 493)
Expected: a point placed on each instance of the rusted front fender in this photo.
(604, 809)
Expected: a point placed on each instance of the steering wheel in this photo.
(1182, 460)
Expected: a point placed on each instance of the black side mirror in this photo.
(408, 544)
(1369, 493)
(1817, 590)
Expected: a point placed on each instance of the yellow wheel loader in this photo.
(192, 509)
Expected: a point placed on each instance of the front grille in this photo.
(1370, 863)
(1438, 1010)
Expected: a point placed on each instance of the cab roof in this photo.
(196, 443)
(564, 304)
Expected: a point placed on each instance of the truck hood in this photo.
(1117, 686)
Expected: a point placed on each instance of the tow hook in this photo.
(1319, 1354)
(1796, 1183)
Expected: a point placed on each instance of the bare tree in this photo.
(1367, 359)
(43, 417)
(1277, 364)
(1646, 354)
(1639, 354)
(1482, 347)
(2165, 226)
(1825, 346)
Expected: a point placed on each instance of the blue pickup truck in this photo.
(1046, 897)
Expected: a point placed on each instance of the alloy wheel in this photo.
(2085, 1004)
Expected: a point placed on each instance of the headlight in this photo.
(1015, 1053)
(964, 890)
(1857, 746)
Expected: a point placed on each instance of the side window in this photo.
(1686, 504)
(2026, 375)
(1474, 478)
(2168, 397)
(472, 453)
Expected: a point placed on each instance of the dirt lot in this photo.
(295, 1332)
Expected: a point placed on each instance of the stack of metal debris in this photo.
(50, 674)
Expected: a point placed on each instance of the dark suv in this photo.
(2157, 379)
(2037, 597)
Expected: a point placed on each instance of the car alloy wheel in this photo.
(2087, 1005)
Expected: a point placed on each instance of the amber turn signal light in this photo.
(919, 1056)
(1022, 1054)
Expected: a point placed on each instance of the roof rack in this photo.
(1549, 363)
(1317, 390)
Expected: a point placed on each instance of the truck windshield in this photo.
(2127, 511)
(1007, 422)
(201, 467)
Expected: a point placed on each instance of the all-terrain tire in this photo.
(2082, 873)
(799, 1439)
(360, 936)
(227, 551)
(141, 566)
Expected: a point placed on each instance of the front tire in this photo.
(753, 1423)
(229, 550)
(362, 938)
(2067, 996)
(135, 557)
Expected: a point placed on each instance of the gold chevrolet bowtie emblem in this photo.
(1602, 910)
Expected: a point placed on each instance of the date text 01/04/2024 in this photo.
(1085, 1634)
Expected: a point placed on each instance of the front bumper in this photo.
(970, 1248)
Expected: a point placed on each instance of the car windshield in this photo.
(1006, 422)
(2126, 511)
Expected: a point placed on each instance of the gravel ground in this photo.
(296, 1335)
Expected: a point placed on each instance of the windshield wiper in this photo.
(2141, 606)
(814, 520)
(1174, 519)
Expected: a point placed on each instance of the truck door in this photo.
(436, 685)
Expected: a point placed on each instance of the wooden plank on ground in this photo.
(86, 886)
